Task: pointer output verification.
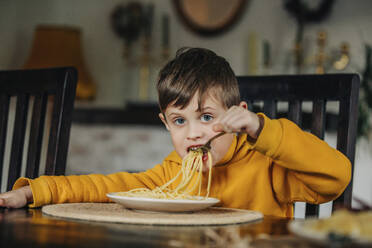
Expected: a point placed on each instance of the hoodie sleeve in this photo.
(305, 168)
(90, 188)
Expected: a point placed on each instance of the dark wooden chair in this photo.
(52, 88)
(318, 89)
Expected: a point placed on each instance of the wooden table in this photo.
(30, 228)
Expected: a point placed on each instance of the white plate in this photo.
(162, 205)
(301, 228)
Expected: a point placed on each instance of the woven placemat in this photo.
(115, 213)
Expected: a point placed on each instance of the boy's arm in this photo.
(87, 188)
(305, 168)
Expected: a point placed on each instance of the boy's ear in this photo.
(162, 118)
(243, 104)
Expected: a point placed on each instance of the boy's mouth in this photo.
(194, 147)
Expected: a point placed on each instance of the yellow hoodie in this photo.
(284, 165)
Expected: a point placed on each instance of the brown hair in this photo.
(196, 70)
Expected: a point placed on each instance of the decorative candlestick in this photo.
(252, 54)
(266, 57)
(165, 37)
(144, 76)
(298, 54)
(320, 57)
(344, 59)
(143, 92)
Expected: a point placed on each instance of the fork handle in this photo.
(215, 137)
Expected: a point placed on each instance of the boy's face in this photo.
(189, 127)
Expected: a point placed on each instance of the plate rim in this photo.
(209, 200)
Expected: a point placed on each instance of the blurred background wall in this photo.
(116, 79)
(349, 22)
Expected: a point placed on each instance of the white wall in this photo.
(350, 21)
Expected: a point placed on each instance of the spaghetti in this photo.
(357, 225)
(192, 166)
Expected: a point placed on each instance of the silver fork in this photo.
(207, 146)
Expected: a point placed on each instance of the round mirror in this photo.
(210, 17)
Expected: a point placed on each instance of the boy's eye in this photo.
(179, 121)
(206, 117)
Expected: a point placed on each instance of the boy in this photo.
(260, 164)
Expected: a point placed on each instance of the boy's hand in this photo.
(16, 198)
(240, 119)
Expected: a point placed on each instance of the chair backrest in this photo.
(41, 90)
(318, 89)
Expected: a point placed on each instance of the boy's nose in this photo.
(194, 133)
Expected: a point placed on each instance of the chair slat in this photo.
(295, 111)
(312, 210)
(19, 131)
(318, 118)
(4, 113)
(59, 134)
(53, 141)
(346, 137)
(318, 129)
(36, 136)
(250, 105)
(270, 108)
